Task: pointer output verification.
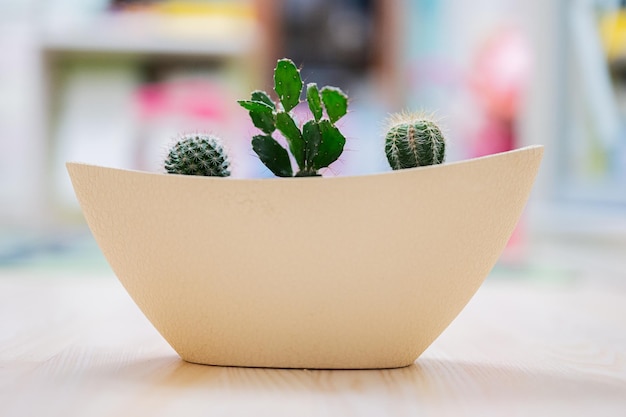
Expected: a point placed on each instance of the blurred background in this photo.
(113, 82)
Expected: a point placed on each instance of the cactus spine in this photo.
(196, 154)
(414, 140)
(317, 144)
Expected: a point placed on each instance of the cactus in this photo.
(414, 140)
(317, 144)
(196, 154)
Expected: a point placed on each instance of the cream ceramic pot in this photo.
(345, 272)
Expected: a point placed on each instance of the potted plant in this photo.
(306, 272)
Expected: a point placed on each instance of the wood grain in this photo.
(78, 346)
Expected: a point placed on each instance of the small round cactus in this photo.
(414, 140)
(196, 154)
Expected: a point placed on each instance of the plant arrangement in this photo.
(180, 258)
(412, 139)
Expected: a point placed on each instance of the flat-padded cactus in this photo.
(196, 154)
(414, 140)
(315, 145)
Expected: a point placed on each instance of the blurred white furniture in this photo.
(40, 48)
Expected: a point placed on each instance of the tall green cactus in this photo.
(414, 140)
(317, 144)
(195, 154)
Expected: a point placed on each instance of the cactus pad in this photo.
(273, 155)
(286, 125)
(331, 146)
(263, 97)
(336, 103)
(287, 83)
(315, 103)
(261, 113)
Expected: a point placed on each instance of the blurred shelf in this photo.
(151, 35)
(79, 62)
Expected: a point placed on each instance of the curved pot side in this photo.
(346, 272)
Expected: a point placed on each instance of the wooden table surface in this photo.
(76, 345)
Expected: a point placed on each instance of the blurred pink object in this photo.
(493, 136)
(193, 98)
(499, 79)
(501, 72)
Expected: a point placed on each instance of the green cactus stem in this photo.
(336, 103)
(331, 146)
(196, 154)
(262, 96)
(273, 155)
(287, 83)
(314, 101)
(291, 132)
(314, 145)
(414, 140)
(262, 115)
